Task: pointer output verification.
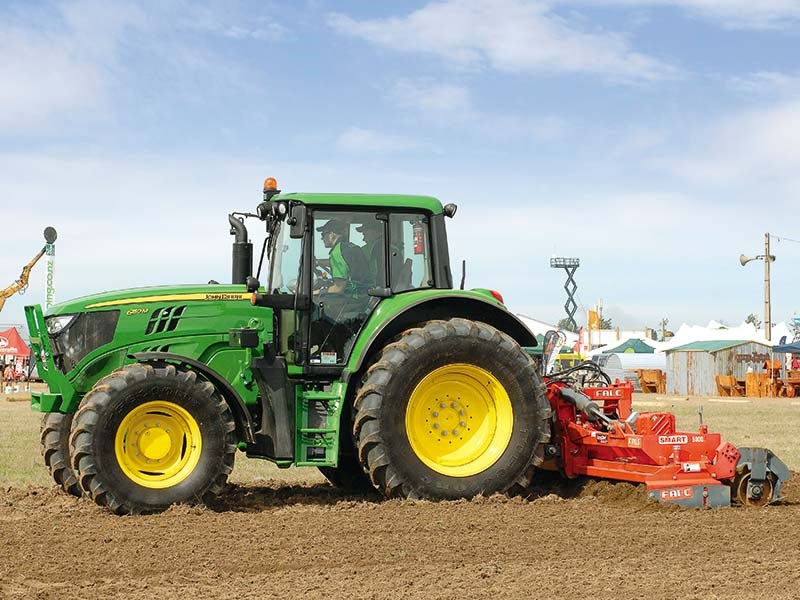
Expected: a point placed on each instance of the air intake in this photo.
(164, 319)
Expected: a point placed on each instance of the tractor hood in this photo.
(133, 297)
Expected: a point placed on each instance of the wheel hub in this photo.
(459, 420)
(158, 444)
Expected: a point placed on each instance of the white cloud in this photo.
(735, 14)
(752, 147)
(451, 106)
(433, 97)
(53, 71)
(42, 81)
(766, 82)
(508, 35)
(360, 140)
(229, 23)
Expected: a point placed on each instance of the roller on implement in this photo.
(596, 434)
(356, 356)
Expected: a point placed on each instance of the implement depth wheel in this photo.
(147, 437)
(54, 444)
(451, 410)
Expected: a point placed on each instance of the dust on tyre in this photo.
(147, 437)
(54, 444)
(452, 409)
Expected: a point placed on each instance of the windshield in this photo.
(284, 265)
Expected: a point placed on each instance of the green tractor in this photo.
(357, 357)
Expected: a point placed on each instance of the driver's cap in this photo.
(334, 225)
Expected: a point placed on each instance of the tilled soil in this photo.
(595, 540)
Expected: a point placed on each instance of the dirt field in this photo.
(289, 535)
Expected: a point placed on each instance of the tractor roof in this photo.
(365, 200)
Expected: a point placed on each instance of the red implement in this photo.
(597, 435)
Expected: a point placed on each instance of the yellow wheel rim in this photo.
(459, 420)
(158, 444)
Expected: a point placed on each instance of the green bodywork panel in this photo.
(201, 332)
(390, 307)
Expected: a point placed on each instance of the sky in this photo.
(656, 140)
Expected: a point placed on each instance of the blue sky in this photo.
(654, 139)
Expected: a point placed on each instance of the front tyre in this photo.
(451, 410)
(54, 444)
(147, 437)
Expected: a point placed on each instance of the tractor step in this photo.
(318, 426)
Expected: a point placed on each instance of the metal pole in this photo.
(767, 310)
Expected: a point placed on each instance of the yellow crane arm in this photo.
(22, 281)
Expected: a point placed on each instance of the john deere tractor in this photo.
(357, 357)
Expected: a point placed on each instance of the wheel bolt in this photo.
(461, 412)
(444, 433)
(443, 405)
(436, 426)
(455, 431)
(453, 405)
(435, 413)
(463, 423)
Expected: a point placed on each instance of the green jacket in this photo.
(348, 262)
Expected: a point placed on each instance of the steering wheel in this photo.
(323, 275)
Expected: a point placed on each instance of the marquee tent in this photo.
(794, 348)
(12, 345)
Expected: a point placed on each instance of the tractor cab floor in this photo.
(596, 539)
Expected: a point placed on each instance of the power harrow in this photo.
(596, 434)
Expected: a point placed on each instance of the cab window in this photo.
(285, 266)
(409, 252)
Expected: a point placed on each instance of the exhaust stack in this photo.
(242, 253)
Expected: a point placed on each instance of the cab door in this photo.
(344, 269)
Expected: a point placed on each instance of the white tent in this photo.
(540, 328)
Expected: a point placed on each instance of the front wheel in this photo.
(54, 444)
(451, 410)
(147, 437)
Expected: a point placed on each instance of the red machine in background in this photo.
(596, 434)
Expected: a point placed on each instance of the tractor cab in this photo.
(333, 259)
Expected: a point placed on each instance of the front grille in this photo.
(164, 319)
(87, 332)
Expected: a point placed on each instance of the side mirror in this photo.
(553, 341)
(298, 221)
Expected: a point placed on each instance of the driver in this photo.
(348, 265)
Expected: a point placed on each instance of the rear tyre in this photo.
(451, 410)
(348, 476)
(147, 437)
(54, 444)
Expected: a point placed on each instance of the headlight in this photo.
(80, 335)
(56, 325)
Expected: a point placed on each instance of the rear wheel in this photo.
(348, 476)
(147, 437)
(54, 444)
(451, 410)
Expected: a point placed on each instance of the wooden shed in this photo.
(692, 368)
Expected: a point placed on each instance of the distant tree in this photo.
(565, 325)
(605, 323)
(752, 318)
